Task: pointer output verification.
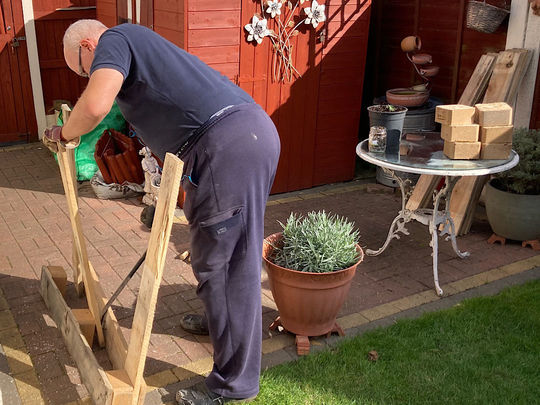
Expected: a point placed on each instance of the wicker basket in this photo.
(484, 17)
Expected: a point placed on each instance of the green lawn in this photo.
(482, 351)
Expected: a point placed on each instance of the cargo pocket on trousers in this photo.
(222, 237)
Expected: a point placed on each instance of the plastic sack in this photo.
(84, 155)
(111, 191)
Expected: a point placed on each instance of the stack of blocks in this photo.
(496, 130)
(480, 132)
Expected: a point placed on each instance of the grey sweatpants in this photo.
(227, 177)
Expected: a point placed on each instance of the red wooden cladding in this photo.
(58, 81)
(217, 54)
(169, 19)
(339, 113)
(213, 37)
(213, 5)
(106, 12)
(175, 36)
(316, 114)
(201, 20)
(17, 116)
(169, 5)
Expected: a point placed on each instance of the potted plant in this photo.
(513, 197)
(310, 266)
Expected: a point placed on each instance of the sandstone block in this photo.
(493, 114)
(495, 150)
(454, 114)
(462, 150)
(500, 134)
(460, 133)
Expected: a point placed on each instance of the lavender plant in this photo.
(317, 243)
(525, 177)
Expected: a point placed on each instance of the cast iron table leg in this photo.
(432, 218)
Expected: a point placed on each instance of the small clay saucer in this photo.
(415, 137)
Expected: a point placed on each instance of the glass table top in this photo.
(424, 155)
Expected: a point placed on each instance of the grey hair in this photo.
(80, 30)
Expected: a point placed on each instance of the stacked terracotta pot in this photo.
(118, 159)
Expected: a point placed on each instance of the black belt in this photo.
(195, 136)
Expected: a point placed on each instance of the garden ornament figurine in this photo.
(152, 177)
(230, 149)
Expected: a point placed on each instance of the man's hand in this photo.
(535, 4)
(52, 137)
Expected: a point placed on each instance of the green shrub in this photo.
(525, 177)
(317, 243)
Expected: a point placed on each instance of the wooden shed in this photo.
(317, 114)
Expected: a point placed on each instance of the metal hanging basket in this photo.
(484, 17)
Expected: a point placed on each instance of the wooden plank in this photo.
(524, 60)
(205, 20)
(421, 197)
(213, 5)
(60, 278)
(122, 389)
(214, 37)
(169, 19)
(217, 54)
(86, 323)
(501, 78)
(116, 343)
(460, 200)
(92, 375)
(477, 84)
(465, 195)
(152, 273)
(67, 170)
(473, 201)
(422, 193)
(508, 68)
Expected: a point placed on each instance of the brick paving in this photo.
(35, 231)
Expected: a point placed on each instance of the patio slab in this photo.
(35, 231)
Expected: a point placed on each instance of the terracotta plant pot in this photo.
(421, 58)
(407, 97)
(429, 71)
(308, 303)
(411, 43)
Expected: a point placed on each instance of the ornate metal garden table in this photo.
(425, 156)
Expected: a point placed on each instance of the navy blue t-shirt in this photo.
(167, 93)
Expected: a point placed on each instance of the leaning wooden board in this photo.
(421, 196)
(125, 383)
(81, 265)
(508, 71)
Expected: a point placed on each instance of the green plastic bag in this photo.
(84, 154)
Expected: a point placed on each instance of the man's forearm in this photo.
(81, 121)
(94, 104)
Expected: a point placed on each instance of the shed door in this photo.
(17, 118)
(52, 18)
(292, 105)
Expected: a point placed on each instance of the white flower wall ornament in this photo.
(285, 21)
(315, 14)
(257, 30)
(274, 7)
